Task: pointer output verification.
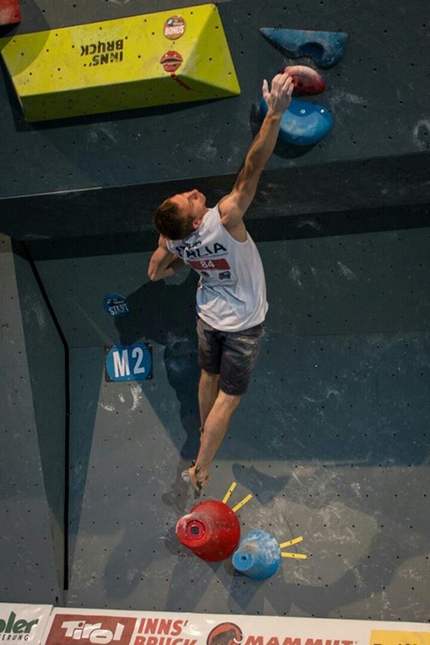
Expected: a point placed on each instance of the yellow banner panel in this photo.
(393, 637)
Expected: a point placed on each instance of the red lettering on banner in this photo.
(288, 640)
(163, 640)
(87, 629)
(161, 626)
(150, 628)
(151, 625)
(254, 640)
(273, 641)
(178, 626)
(210, 265)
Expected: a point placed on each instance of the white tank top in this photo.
(231, 295)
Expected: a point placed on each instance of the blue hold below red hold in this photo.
(258, 555)
(303, 124)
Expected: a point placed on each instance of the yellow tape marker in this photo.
(229, 492)
(291, 542)
(242, 503)
(298, 556)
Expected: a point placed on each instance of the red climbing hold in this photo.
(305, 79)
(211, 530)
(10, 12)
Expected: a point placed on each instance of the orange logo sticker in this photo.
(174, 27)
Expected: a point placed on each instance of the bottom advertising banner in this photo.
(23, 623)
(103, 627)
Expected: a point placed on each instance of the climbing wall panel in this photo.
(32, 438)
(331, 440)
(378, 148)
(135, 62)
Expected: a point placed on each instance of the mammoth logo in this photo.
(225, 634)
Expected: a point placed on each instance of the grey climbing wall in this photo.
(332, 438)
(376, 154)
(32, 435)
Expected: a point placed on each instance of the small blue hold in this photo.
(258, 555)
(303, 124)
(326, 48)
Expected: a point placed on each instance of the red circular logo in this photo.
(171, 61)
(225, 634)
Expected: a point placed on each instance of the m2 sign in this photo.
(128, 362)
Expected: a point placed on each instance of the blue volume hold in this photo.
(326, 48)
(258, 555)
(303, 124)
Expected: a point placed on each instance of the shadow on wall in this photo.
(165, 314)
(363, 576)
(162, 313)
(388, 557)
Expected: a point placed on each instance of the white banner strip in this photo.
(21, 623)
(45, 625)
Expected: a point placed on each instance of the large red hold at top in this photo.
(9, 12)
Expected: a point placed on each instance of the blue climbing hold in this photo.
(326, 48)
(258, 555)
(303, 124)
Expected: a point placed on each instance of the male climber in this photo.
(231, 295)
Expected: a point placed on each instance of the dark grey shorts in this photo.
(232, 355)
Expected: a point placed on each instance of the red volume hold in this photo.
(211, 530)
(306, 80)
(10, 12)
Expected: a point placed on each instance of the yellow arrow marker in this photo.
(291, 542)
(242, 503)
(298, 556)
(229, 492)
